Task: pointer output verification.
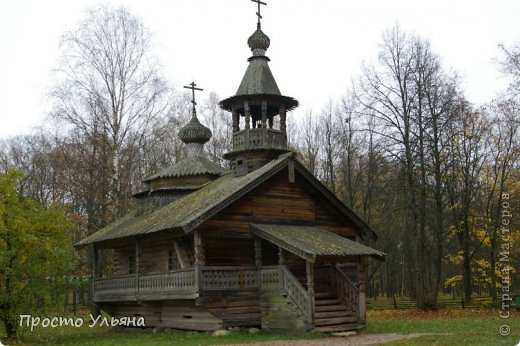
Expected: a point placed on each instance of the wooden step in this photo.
(327, 302)
(337, 328)
(335, 320)
(338, 313)
(336, 307)
(323, 295)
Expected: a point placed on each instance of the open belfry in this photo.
(264, 244)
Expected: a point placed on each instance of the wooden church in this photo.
(264, 244)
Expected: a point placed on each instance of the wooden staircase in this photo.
(332, 315)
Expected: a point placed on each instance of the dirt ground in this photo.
(354, 340)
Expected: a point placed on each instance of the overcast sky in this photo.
(316, 48)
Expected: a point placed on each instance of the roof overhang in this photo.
(311, 241)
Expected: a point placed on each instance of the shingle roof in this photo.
(193, 165)
(258, 79)
(189, 211)
(309, 241)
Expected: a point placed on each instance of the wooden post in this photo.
(309, 266)
(283, 119)
(264, 114)
(258, 260)
(94, 308)
(236, 118)
(137, 258)
(247, 112)
(258, 252)
(197, 244)
(94, 261)
(281, 258)
(362, 288)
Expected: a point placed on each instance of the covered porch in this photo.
(327, 296)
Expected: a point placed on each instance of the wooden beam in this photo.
(362, 289)
(137, 259)
(281, 258)
(247, 114)
(264, 115)
(95, 269)
(258, 252)
(309, 267)
(291, 171)
(197, 248)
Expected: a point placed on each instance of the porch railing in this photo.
(182, 284)
(280, 278)
(348, 291)
(174, 285)
(229, 278)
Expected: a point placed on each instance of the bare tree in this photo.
(109, 86)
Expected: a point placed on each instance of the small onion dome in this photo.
(194, 132)
(258, 42)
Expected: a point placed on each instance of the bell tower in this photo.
(258, 109)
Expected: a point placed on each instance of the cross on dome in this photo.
(192, 86)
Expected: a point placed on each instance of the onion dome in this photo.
(258, 42)
(194, 132)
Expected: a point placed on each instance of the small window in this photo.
(131, 265)
(173, 264)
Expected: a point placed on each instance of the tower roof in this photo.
(258, 79)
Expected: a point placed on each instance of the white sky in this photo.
(316, 46)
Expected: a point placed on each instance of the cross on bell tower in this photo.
(258, 109)
(258, 24)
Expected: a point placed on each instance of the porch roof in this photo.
(311, 241)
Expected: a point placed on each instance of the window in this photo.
(173, 264)
(131, 265)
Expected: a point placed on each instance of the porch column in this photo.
(94, 308)
(258, 252)
(197, 244)
(309, 266)
(95, 259)
(362, 290)
(281, 258)
(137, 260)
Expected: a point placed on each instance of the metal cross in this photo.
(258, 13)
(193, 88)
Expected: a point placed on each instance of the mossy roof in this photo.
(188, 212)
(310, 241)
(194, 165)
(191, 210)
(258, 79)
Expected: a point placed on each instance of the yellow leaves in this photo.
(450, 282)
(455, 259)
(482, 236)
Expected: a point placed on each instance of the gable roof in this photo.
(311, 241)
(188, 212)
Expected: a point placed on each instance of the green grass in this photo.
(463, 327)
(103, 336)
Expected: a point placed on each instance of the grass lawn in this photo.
(463, 327)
